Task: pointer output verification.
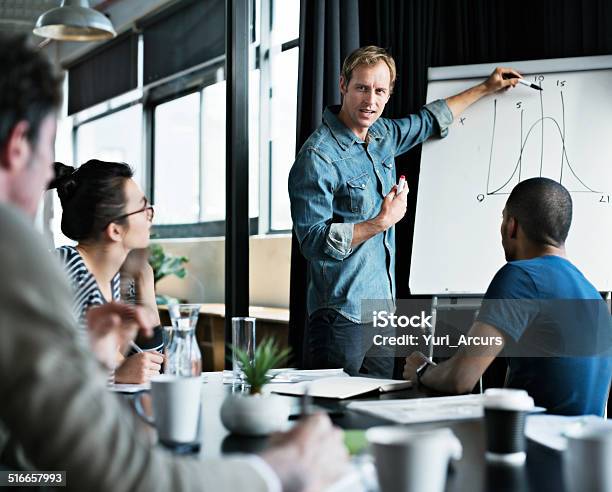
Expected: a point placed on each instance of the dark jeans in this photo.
(332, 341)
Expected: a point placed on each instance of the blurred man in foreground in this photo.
(56, 410)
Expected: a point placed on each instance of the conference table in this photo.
(542, 471)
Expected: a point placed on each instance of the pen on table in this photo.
(508, 76)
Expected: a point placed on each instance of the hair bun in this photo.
(64, 180)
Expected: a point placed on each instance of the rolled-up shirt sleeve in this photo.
(312, 182)
(442, 115)
(434, 118)
(339, 239)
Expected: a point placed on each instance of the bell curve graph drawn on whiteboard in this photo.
(563, 132)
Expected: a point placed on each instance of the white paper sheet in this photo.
(548, 430)
(416, 410)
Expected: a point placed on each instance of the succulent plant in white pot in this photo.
(256, 413)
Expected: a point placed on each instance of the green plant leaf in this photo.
(165, 264)
(268, 355)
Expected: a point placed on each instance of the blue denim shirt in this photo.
(337, 181)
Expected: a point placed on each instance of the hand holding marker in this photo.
(400, 185)
(508, 76)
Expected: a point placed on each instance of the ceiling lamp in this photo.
(74, 20)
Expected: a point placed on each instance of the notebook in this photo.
(340, 387)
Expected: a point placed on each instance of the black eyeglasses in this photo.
(147, 209)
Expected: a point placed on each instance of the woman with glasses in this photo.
(108, 216)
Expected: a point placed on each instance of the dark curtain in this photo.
(329, 31)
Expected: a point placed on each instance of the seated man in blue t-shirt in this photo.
(555, 328)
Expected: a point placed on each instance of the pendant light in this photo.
(74, 20)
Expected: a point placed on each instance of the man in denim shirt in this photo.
(344, 205)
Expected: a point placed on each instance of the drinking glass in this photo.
(243, 338)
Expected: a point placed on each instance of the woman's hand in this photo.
(137, 266)
(114, 325)
(139, 368)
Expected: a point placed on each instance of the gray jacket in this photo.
(54, 403)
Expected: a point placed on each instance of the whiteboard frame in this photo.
(553, 65)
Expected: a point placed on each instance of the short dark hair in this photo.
(543, 208)
(30, 89)
(92, 196)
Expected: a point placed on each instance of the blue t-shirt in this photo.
(558, 333)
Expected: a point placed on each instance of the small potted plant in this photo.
(256, 413)
(165, 264)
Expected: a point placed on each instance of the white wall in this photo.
(269, 264)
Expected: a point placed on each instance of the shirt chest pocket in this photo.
(360, 193)
(388, 164)
(388, 174)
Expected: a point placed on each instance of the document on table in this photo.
(340, 387)
(287, 375)
(549, 430)
(416, 410)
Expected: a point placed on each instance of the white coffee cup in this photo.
(587, 461)
(176, 408)
(412, 460)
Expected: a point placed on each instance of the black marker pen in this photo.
(508, 76)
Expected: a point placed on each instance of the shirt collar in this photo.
(342, 134)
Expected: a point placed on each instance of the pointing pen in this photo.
(508, 76)
(529, 84)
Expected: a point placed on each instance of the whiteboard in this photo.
(563, 132)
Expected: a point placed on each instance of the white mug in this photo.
(412, 460)
(587, 461)
(176, 408)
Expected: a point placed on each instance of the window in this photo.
(189, 156)
(282, 137)
(284, 61)
(213, 152)
(176, 164)
(254, 159)
(115, 137)
(285, 21)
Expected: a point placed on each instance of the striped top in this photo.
(87, 293)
